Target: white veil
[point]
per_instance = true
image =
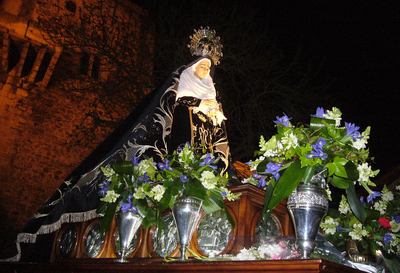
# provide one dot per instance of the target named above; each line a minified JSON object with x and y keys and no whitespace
{"x":192,"y":86}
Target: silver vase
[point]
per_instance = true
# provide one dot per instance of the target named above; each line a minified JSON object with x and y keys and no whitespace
{"x":186,"y":212}
{"x":128,"y":223}
{"x":354,"y":255}
{"x":307,"y":205}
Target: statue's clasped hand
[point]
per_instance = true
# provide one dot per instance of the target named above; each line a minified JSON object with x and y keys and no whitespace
{"x":210,"y":103}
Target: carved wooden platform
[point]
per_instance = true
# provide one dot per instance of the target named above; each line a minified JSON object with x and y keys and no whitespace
{"x":246,"y":211}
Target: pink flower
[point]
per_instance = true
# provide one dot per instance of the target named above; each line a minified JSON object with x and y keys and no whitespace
{"x":385,"y":222}
{"x":276,"y":257}
{"x":295,"y":254}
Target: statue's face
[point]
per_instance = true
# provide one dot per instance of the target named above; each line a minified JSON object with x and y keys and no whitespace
{"x":202,"y":69}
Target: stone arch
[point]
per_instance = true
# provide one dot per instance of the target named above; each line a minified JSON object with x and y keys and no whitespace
{"x":84,"y":65}
{"x":14,"y":55}
{"x":96,"y":67}
{"x":43,"y":67}
{"x":29,"y":61}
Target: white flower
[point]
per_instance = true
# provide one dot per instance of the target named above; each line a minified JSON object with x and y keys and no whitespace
{"x":270,"y":148}
{"x":108,"y":172}
{"x":275,"y":152}
{"x":229,"y":195}
{"x":395,"y":226}
{"x":261,"y":158}
{"x":361,"y":143}
{"x":329,"y":193}
{"x":263,"y":144}
{"x":271,"y":153}
{"x":365,"y":172}
{"x":329,"y":225}
{"x":250,"y":180}
{"x":208,"y":180}
{"x":146,"y":166}
{"x":244,"y":254}
{"x":394,"y":245}
{"x":358,"y":232}
{"x":186,"y":155}
{"x":344,"y":207}
{"x":289,"y":140}
{"x":139,"y":193}
{"x":381,"y":206}
{"x":157,"y":192}
{"x":398,"y":188}
{"x":267,"y":251}
{"x":110,"y":197}
{"x":334,"y":114}
{"x":254,"y":164}
{"x":386,"y":194}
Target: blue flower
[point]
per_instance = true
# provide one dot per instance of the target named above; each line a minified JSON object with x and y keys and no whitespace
{"x":320,"y":113}
{"x":128,"y":206}
{"x":261,"y":180}
{"x":362,"y":200}
{"x":282,"y":120}
{"x":372,"y":196}
{"x":209,"y":160}
{"x":183,"y":178}
{"x":318,"y":150}
{"x":103,"y":189}
{"x":135,"y":160}
{"x":396,"y":218}
{"x":180,"y":148}
{"x":274,"y":170}
{"x":387,"y":238}
{"x":352,"y":130}
{"x":165,"y":166}
{"x":145,"y":178}
{"x":223,"y":194}
{"x":340,"y":229}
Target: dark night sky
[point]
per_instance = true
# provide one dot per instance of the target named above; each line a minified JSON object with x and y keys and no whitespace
{"x":360,"y":42}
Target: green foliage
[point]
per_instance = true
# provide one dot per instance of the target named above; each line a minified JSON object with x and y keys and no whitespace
{"x":374,"y":225}
{"x":290,"y":179}
{"x":192,"y":171}
{"x":131,"y":184}
{"x":356,"y":207}
{"x":295,"y":154}
{"x":147,"y":190}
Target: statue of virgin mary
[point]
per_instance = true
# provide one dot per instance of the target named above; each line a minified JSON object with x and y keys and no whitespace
{"x":183,"y":108}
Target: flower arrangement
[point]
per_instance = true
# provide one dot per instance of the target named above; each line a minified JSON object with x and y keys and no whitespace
{"x":380,"y":230}
{"x":130,"y":185}
{"x":296,"y":153}
{"x":148,"y":188}
{"x":192,"y":171}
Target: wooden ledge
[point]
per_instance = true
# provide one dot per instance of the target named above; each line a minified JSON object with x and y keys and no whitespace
{"x":193,"y":265}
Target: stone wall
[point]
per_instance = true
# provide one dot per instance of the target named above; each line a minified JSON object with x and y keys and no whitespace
{"x":35,"y":156}
{"x":36,"y":120}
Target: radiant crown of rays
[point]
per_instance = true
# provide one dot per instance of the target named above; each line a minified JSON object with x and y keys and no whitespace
{"x":204,"y":42}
